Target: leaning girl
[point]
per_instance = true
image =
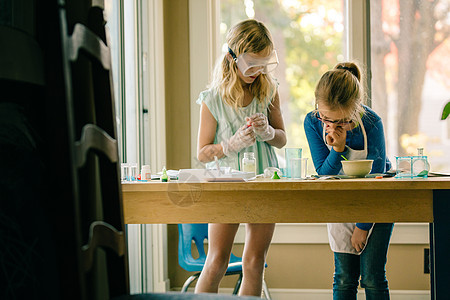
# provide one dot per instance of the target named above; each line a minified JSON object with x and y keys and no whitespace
{"x":341,"y":127}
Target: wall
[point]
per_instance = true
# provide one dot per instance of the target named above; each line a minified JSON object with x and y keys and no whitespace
{"x":310,"y":266}
{"x":176,"y":60}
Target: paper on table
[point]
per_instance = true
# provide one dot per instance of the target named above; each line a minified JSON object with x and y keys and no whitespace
{"x":437,"y":174}
{"x":198,"y":175}
{"x":224,"y":179}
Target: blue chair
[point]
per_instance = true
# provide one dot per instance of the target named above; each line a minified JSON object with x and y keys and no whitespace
{"x":199,"y":233}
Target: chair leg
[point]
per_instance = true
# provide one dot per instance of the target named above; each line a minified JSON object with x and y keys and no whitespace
{"x":188,"y":282}
{"x":266,"y":291}
{"x":238,"y":285}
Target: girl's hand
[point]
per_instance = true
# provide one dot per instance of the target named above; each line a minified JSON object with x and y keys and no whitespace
{"x":359,"y":238}
{"x":261,"y":126}
{"x":243,"y":138}
{"x":336,"y":137}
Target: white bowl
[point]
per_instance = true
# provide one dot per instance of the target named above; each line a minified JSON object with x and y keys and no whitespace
{"x":358,"y":168}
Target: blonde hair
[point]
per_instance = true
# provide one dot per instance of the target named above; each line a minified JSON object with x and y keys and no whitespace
{"x":247,"y":36}
{"x":342,"y":88}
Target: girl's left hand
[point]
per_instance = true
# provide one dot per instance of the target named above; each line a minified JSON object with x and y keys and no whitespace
{"x":261,"y":126}
{"x":336,"y":137}
{"x":359,"y":238}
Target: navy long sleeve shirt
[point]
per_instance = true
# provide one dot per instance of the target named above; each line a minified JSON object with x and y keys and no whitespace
{"x":328,"y":162}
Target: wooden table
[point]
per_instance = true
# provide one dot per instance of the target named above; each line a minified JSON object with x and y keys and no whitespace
{"x":303,"y":201}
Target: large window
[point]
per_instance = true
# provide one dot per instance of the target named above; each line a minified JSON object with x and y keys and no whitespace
{"x":409,"y":58}
{"x":310,"y":39}
{"x":135,"y":30}
{"x":411,"y":78}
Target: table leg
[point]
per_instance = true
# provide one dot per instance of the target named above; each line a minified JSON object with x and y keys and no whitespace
{"x":440,"y":245}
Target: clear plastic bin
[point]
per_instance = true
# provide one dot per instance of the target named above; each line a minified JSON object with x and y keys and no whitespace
{"x":412,"y":166}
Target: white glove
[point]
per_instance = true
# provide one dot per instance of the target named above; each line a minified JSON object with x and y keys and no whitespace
{"x":243,"y":138}
{"x":261,"y":126}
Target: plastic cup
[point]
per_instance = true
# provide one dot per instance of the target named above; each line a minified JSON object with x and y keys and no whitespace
{"x":133,"y":171}
{"x":289,"y":154}
{"x":124,"y":172}
{"x":298,"y":168}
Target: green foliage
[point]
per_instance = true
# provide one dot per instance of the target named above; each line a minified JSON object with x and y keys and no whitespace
{"x":311,"y":51}
{"x":446,"y":111}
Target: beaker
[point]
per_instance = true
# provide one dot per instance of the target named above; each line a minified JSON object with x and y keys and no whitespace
{"x":298,"y":168}
{"x":291,"y":153}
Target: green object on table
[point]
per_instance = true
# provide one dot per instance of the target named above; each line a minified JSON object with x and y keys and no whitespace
{"x":164,"y":177}
{"x":344,"y":157}
{"x":423,"y":173}
{"x":275,"y":175}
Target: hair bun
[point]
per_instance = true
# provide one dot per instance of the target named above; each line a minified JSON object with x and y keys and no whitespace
{"x":351,"y":67}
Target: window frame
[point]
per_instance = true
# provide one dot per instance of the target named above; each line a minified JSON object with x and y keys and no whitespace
{"x":150,"y":241}
{"x":142,"y":49}
{"x":204,"y":41}
{"x":358,"y":37}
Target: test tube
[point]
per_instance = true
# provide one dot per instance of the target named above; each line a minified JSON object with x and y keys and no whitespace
{"x":124,"y":172}
{"x":133,"y":171}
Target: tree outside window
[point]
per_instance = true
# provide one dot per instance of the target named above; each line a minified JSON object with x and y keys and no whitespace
{"x":411,"y":79}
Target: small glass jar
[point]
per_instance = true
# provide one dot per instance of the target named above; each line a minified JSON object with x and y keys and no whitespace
{"x":420,"y":165}
{"x":249,"y":162}
{"x":146,"y":174}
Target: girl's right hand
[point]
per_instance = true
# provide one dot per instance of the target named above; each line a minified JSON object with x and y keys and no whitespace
{"x":243,"y":138}
{"x":359,"y":238}
{"x":261,"y":126}
{"x":336,"y":137}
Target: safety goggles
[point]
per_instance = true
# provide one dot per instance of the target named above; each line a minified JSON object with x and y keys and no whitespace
{"x":337,"y":122}
{"x":251,"y":64}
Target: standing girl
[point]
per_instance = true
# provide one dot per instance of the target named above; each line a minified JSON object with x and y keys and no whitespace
{"x":240,"y":112}
{"x":341,"y":126}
